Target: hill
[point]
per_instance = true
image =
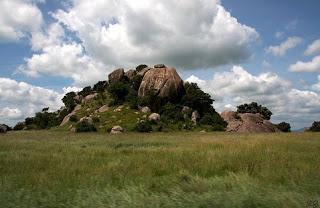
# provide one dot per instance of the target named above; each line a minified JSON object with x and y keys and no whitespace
{"x":145,"y":99}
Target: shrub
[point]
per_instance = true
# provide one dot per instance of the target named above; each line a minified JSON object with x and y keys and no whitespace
{"x":140,"y":67}
{"x":143,"y":126}
{"x":136,"y":81}
{"x":85,"y":91}
{"x":315,"y":126}
{"x":69,"y":101}
{"x":212,"y":119}
{"x":284,"y":127}
{"x":119,"y":91}
{"x":73,"y":118}
{"x":100,"y":86}
{"x":171,"y":112}
{"x":96,"y":120}
{"x":19,"y":126}
{"x":84,"y":126}
{"x":196,"y":99}
{"x":255,"y":108}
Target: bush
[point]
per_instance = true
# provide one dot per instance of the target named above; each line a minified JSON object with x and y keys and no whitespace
{"x":140,"y":67}
{"x":119,"y":91}
{"x":19,"y":126}
{"x":136,"y":81}
{"x":213,"y":119}
{"x":73,"y":118}
{"x":315,"y":126}
{"x":84,"y":126}
{"x":255,"y":108}
{"x":101,"y":86}
{"x":69,"y":101}
{"x":143,"y":126}
{"x":284,"y":127}
{"x":85,"y":91}
{"x":196,"y":99}
{"x":171,"y":112}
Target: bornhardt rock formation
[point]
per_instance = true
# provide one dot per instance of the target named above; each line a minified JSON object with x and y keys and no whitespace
{"x":247,"y":123}
{"x":164,"y":81}
{"x":147,"y":99}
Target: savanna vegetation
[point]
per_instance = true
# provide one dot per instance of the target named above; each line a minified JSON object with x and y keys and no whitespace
{"x":56,"y":169}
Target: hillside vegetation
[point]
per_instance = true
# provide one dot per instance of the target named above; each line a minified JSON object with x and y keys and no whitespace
{"x":59,"y":169}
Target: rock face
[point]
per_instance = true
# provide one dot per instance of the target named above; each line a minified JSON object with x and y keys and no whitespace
{"x":90,"y":97}
{"x":195,"y":116}
{"x":116,"y":130}
{"x":130,"y":74}
{"x":67,"y":118}
{"x":247,"y":123}
{"x":145,"y":109}
{"x":154,"y":117}
{"x":165,"y":82}
{"x":3,"y":128}
{"x":116,"y":76}
{"x":143,"y":71}
{"x":103,"y":109}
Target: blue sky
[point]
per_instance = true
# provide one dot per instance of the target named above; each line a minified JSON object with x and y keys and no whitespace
{"x":237,"y":52}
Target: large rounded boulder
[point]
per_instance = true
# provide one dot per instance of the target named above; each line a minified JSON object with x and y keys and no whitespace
{"x":117,"y":75}
{"x":164,"y":81}
{"x":247,"y":123}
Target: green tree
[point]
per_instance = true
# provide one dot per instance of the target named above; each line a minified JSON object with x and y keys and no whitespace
{"x":284,"y":127}
{"x":255,"y":108}
{"x":196,"y":99}
{"x":315,"y":126}
{"x":69,"y":101}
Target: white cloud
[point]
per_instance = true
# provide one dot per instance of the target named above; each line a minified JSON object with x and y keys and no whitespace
{"x":313,"y":48}
{"x":10,"y":113}
{"x":125,"y":33}
{"x":19,"y":100}
{"x":316,"y":87}
{"x":18,"y":18}
{"x":67,"y":60}
{"x":237,"y":86}
{"x":282,"y":49}
{"x":312,"y":66}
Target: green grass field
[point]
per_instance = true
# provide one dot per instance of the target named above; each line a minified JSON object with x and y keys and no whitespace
{"x":59,"y":169}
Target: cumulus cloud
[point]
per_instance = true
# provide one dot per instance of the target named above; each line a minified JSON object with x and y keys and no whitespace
{"x":316,"y":86}
{"x":57,"y":56}
{"x":281,"y":50}
{"x":19,"y":100}
{"x":313,"y":48}
{"x":10,"y":113}
{"x":312,"y":66}
{"x":25,"y":19}
{"x":125,"y":33}
{"x":238,"y":86}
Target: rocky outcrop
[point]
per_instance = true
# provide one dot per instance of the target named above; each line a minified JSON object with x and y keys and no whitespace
{"x":90,"y":97}
{"x":130,"y":74}
{"x":116,"y":76}
{"x":66,"y":119}
{"x":143,"y":71}
{"x":155,"y":117}
{"x":103,"y":109}
{"x":194,"y":117}
{"x":165,"y":82}
{"x":116,"y":130}
{"x":247,"y":123}
{"x":145,"y":109}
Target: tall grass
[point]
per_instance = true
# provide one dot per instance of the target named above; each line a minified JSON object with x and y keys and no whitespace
{"x":59,"y":169}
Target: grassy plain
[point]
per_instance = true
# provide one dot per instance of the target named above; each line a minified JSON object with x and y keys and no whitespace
{"x":60,"y":169}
